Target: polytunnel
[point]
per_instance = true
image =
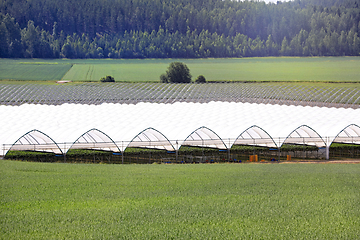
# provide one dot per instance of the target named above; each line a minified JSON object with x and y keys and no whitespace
{"x":151,"y":138}
{"x":204,"y":137}
{"x":36,"y":140}
{"x":255,"y":136}
{"x":119,"y":123}
{"x":349,"y":135}
{"x":95,"y":139}
{"x":305,"y":135}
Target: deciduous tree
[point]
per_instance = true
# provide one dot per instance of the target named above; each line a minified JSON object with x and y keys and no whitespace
{"x":177,"y":72}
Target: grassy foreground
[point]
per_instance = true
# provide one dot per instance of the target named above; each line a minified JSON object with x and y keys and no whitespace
{"x":219,"y":201}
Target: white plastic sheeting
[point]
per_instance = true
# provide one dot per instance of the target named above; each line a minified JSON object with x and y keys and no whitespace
{"x":167,"y":126}
{"x":350,"y":134}
{"x":95,"y":139}
{"x":255,"y":136}
{"x":205,"y":137}
{"x":305,"y":135}
{"x":35,"y":140}
{"x":151,"y":138}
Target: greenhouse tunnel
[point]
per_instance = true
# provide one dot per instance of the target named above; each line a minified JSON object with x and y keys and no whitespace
{"x":255,"y":136}
{"x":97,"y":140}
{"x":305,"y":135}
{"x":204,"y":137}
{"x":349,"y":135}
{"x":151,"y":138}
{"x":36,"y":141}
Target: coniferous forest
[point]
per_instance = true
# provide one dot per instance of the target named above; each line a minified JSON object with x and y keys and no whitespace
{"x":178,"y":28}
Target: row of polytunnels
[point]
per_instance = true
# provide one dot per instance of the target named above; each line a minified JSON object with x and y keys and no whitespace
{"x":202,"y":145}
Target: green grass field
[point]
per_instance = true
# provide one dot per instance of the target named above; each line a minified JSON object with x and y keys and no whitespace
{"x":337,"y":69}
{"x":246,"y":69}
{"x":34,"y":69}
{"x":201,"y":201}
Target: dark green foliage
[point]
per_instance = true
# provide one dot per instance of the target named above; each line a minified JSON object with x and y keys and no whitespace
{"x":4,"y":50}
{"x":107,"y":79}
{"x":86,"y":152}
{"x":164,"y":78}
{"x":31,"y":156}
{"x":336,"y":146}
{"x":178,"y":29}
{"x":341,"y":151}
{"x":289,"y":147}
{"x":177,"y":72}
{"x":26,"y":154}
{"x":200,"y":79}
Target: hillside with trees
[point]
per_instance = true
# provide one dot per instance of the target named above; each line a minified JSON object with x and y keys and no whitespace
{"x":178,"y":28}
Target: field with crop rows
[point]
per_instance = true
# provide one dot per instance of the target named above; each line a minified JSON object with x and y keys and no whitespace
{"x":196,"y":201}
{"x":313,"y":94}
{"x":247,"y":69}
{"x":333,"y":69}
{"x":32,"y":70}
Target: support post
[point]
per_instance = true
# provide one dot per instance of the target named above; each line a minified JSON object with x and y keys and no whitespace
{"x":94,"y":152}
{"x":229,"y":155}
{"x":122,"y":152}
{"x":279,"y":150}
{"x":176,"y":152}
{"x":327,"y":151}
{"x":202,"y":149}
{"x":304,"y":148}
{"x":64,"y":152}
{"x":327,"y":154}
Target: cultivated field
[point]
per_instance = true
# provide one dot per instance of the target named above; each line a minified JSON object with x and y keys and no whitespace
{"x":192,"y":201}
{"x":336,"y":69}
{"x":313,"y":94}
{"x":202,"y":201}
{"x":34,"y":69}
{"x":309,"y":81}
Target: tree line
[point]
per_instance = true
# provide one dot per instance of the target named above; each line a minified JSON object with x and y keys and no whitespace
{"x":178,"y":28}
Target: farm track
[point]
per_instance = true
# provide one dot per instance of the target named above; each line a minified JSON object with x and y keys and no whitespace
{"x":133,"y":93}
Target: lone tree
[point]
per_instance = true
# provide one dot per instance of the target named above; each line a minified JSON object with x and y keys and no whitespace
{"x":107,"y":79}
{"x":177,"y":72}
{"x":200,"y":79}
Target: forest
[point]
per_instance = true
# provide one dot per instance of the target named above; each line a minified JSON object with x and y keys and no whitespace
{"x":178,"y":28}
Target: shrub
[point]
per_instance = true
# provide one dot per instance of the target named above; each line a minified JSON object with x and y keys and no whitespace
{"x":164,"y":78}
{"x":107,"y":79}
{"x":200,"y":79}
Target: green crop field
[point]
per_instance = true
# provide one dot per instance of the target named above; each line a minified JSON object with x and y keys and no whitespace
{"x":343,"y":69}
{"x":194,"y":201}
{"x":337,"y":69}
{"x":34,"y":69}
